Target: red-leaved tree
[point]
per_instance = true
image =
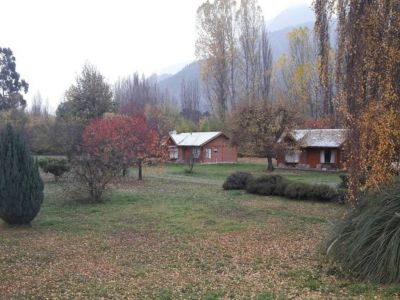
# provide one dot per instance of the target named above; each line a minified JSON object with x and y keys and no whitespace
{"x":112,"y":145}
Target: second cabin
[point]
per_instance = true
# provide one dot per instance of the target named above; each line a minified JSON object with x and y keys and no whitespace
{"x":313,"y":149}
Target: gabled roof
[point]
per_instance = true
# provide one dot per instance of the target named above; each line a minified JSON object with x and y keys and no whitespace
{"x":332,"y":138}
{"x":195,"y":139}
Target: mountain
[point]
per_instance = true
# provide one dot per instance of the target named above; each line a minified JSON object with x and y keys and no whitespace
{"x":292,"y":17}
{"x":155,"y":78}
{"x":279,"y":39}
{"x":278,"y":28}
{"x":173,"y":83}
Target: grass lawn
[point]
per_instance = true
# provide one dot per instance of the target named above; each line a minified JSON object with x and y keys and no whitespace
{"x":178,"y":236}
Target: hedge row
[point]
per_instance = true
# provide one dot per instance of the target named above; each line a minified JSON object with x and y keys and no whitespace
{"x":277,"y":185}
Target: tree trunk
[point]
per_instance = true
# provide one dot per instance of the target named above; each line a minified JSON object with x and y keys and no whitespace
{"x":140,"y":169}
{"x":191,"y":164}
{"x":270,"y":166}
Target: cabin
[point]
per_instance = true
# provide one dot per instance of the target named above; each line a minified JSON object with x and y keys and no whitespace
{"x":312,"y":149}
{"x":204,"y":147}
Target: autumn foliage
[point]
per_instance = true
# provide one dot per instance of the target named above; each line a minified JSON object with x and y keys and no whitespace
{"x":368,"y":83}
{"x":112,"y":145}
{"x":258,"y":128}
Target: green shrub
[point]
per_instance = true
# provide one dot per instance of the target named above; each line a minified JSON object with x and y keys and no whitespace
{"x":323,"y":192}
{"x":342,"y":196}
{"x":54,"y":166}
{"x":280,"y":187}
{"x":266,"y":185}
{"x":367,"y":241}
{"x":21,"y":188}
{"x":276,"y":185}
{"x":344,"y":184}
{"x":237,"y":181}
{"x":298,"y":190}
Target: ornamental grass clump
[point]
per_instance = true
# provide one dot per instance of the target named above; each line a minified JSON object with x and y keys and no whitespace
{"x":367,"y":241}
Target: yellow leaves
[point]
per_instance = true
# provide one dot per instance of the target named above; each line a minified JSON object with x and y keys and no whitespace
{"x":379,"y":142}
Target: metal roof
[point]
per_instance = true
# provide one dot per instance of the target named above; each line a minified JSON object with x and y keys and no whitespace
{"x":195,"y":139}
{"x":332,"y":138}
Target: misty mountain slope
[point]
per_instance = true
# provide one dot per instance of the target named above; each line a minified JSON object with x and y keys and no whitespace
{"x":292,"y":17}
{"x":278,"y":29}
{"x":173,"y":83}
{"x":279,"y":39}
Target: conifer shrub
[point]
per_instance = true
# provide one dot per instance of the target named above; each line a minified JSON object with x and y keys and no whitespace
{"x":367,"y":241}
{"x":55,"y":166}
{"x":21,"y":188}
{"x":237,"y":181}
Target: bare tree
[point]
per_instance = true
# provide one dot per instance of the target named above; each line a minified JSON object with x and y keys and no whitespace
{"x":214,"y":48}
{"x":296,"y":74}
{"x":265,"y":63}
{"x":39,"y":108}
{"x":250,"y":23}
{"x":190,"y":100}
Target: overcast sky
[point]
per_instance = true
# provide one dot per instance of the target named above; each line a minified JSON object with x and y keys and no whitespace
{"x":52,"y":39}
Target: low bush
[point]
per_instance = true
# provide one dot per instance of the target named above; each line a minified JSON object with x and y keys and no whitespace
{"x":237,"y":181}
{"x":266,"y":185}
{"x":276,"y":185}
{"x":298,"y":190}
{"x":366,"y":242}
{"x":323,"y":192}
{"x":54,"y":166}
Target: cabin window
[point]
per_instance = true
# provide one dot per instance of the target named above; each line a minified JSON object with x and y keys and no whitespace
{"x":292,"y":156}
{"x":196,"y":152}
{"x":173,"y":153}
{"x":328,"y":156}
{"x":208,"y":153}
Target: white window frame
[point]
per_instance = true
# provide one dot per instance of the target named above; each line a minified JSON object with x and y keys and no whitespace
{"x":292,"y":156}
{"x":196,"y":152}
{"x":173,"y":153}
{"x":208,"y":153}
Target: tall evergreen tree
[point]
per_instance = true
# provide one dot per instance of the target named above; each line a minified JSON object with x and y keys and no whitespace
{"x":21,"y":188}
{"x":11,"y":83}
{"x":90,"y":97}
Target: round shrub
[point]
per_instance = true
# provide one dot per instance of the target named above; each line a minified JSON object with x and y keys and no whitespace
{"x":266,"y":185}
{"x":322,"y":192}
{"x":297,"y":190}
{"x":367,"y":241}
{"x":21,"y":188}
{"x":54,"y":166}
{"x":237,"y":181}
